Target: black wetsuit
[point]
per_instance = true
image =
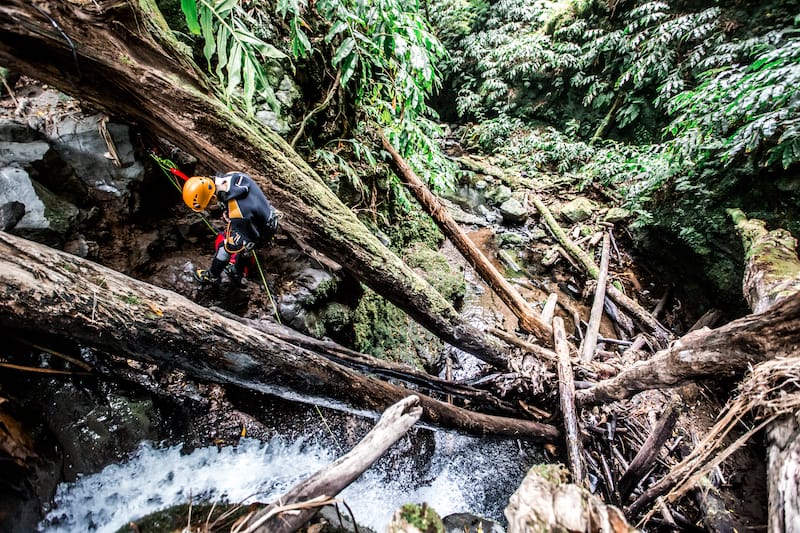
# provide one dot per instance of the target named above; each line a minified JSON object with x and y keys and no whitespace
{"x":252,"y":218}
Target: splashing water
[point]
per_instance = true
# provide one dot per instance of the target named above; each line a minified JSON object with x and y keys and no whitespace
{"x":463,"y":475}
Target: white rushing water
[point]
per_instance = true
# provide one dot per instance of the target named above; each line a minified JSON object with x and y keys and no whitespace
{"x":463,"y":475}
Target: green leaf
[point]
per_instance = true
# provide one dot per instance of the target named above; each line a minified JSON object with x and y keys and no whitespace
{"x":189,"y":8}
{"x":349,"y":68}
{"x":343,"y":50}
{"x":336,"y":29}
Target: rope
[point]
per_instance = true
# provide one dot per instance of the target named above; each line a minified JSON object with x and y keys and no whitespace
{"x":266,"y":288}
{"x":171,"y":171}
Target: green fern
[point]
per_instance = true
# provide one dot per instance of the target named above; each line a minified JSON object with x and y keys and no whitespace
{"x":232,"y":49}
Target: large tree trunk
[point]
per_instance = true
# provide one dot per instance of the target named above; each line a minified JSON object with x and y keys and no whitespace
{"x":704,"y":354}
{"x":772,"y":273}
{"x":43,"y":290}
{"x":122,"y":57}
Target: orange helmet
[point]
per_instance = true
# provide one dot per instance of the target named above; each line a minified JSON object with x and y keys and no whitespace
{"x":198,"y":191}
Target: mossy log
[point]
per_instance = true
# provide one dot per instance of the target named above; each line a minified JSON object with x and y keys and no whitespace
{"x":47,"y":292}
{"x":772,"y":274}
{"x":123,"y":58}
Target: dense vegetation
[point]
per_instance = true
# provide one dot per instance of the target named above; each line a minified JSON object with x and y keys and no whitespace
{"x":678,"y":110}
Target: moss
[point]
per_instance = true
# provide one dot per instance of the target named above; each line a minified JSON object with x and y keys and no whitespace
{"x":554,"y":473}
{"x":384,"y":331}
{"x":130,"y":299}
{"x":436,"y":270}
{"x":174,"y":518}
{"x":421,"y":517}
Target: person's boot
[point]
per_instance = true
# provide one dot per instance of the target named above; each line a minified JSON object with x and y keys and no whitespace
{"x":212,"y":274}
{"x":236,"y":271}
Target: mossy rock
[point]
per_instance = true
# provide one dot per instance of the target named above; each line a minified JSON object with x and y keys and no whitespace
{"x":437,"y":271}
{"x":382,"y":330}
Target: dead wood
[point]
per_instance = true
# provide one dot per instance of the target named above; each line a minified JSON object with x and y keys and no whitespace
{"x":329,"y":482}
{"x":708,"y":320}
{"x":43,"y":291}
{"x":639,"y":314}
{"x":566,"y":389}
{"x":649,"y":451}
{"x":549,"y":309}
{"x":159,"y":87}
{"x":366,"y":364}
{"x":596,"y":315}
{"x":521,"y":309}
{"x":772,"y":273}
{"x":703,"y":354}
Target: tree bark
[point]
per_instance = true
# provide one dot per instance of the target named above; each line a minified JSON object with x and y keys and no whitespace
{"x":44,"y":291}
{"x":527,"y":318}
{"x":703,"y":354}
{"x":772,"y":274}
{"x":329,"y":482}
{"x":122,"y":57}
{"x":648,"y":453}
{"x":566,"y":389}
{"x":596,"y":314}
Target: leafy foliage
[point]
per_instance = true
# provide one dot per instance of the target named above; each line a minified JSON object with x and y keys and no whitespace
{"x":233,"y":48}
{"x":385,"y":53}
{"x":747,"y":110}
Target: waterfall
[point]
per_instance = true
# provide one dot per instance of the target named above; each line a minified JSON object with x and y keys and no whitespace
{"x":462,"y":475}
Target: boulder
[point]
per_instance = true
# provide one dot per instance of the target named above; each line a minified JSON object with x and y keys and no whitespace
{"x":578,"y":210}
{"x":616,"y":214}
{"x":47,"y":217}
{"x":513,"y":211}
{"x":544,"y":502}
{"x":77,"y":139}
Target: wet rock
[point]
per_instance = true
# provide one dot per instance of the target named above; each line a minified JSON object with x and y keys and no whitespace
{"x":92,"y":430}
{"x":469,"y":523}
{"x":78,"y":140}
{"x":509,"y":239}
{"x":10,"y":214}
{"x":616,"y":214}
{"x":461,"y":216}
{"x":578,"y":210}
{"x":500,"y":194}
{"x":513,"y":211}
{"x":47,"y":218}
{"x":12,"y":131}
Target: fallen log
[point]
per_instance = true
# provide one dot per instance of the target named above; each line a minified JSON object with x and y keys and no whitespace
{"x":639,"y":314}
{"x":516,"y":303}
{"x":284,"y":516}
{"x":566,"y":390}
{"x":596,"y":315}
{"x":647,"y":454}
{"x":703,"y":354}
{"x":770,"y":391}
{"x":772,"y":273}
{"x":129,"y":64}
{"x":45,"y":291}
